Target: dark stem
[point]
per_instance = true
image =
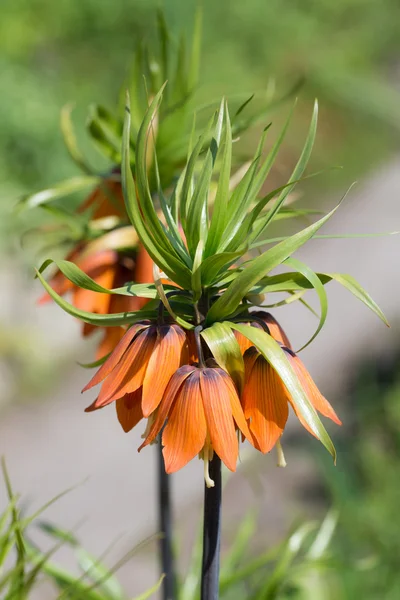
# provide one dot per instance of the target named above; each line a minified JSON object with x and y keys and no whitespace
{"x":212,"y":533}
{"x":165,"y":527}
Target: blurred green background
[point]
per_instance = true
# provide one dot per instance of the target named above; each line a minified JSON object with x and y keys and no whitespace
{"x":347,"y":53}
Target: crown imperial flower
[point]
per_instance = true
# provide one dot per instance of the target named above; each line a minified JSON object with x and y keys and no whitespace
{"x":202,"y":410}
{"x":265,"y":398}
{"x":145,"y":358}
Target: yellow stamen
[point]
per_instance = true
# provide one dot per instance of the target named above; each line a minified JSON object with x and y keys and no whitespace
{"x":281,"y":457}
{"x":207,"y":456}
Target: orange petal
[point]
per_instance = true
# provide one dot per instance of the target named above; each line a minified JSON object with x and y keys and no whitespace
{"x":244,"y":343}
{"x":314,"y":395}
{"x":186,"y":429}
{"x":236,"y":407}
{"x":107,"y":199}
{"x":129,"y":410}
{"x":171,"y":392}
{"x":170,"y":352}
{"x":116,"y":356}
{"x":275,"y":329}
{"x":218,"y":411}
{"x":265,"y":404}
{"x":143,"y":272}
{"x":128,"y":375}
{"x":112,"y":336}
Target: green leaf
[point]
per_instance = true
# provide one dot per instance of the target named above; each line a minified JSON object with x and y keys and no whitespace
{"x":219,"y":215}
{"x":94,"y":364}
{"x":241,"y":198}
{"x":167,"y":262}
{"x":319,"y":288}
{"x":328,"y":236}
{"x":151,"y":591}
{"x":213,"y":265}
{"x":259,"y":267}
{"x":274,"y":354}
{"x":64,"y":188}
{"x":82,"y":280}
{"x":197,"y":215}
{"x":106,"y":131}
{"x":110,"y":320}
{"x":286,"y":282}
{"x":66,"y":537}
{"x":196,"y":272}
{"x":70,"y":141}
{"x":358,"y":291}
{"x":297,"y":173}
{"x":226,"y":351}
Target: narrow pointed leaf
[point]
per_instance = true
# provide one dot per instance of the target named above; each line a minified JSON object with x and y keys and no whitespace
{"x":110,"y":320}
{"x":61,"y":189}
{"x":259,"y":267}
{"x":319,"y":288}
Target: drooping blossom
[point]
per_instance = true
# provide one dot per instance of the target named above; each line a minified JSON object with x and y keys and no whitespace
{"x":266,"y":400}
{"x":138,"y":370}
{"x":202,"y":411}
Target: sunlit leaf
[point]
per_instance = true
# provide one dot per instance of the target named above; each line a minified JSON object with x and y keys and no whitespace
{"x":274,"y":354}
{"x":226,"y":351}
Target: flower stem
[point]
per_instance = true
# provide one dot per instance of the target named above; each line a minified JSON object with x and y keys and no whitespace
{"x":165,"y":519}
{"x":212,"y":533}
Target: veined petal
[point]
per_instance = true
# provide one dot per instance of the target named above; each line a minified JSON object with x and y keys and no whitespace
{"x":171,"y":392}
{"x":275,"y":329}
{"x":128,"y":375}
{"x":236,"y":407}
{"x":129,"y":410}
{"x":314,"y":395}
{"x":112,"y":336}
{"x":265,"y":404}
{"x":218,"y":411}
{"x":243,"y":341}
{"x":116,"y":356}
{"x":185,"y":432}
{"x":249,"y":359}
{"x":169,"y":353}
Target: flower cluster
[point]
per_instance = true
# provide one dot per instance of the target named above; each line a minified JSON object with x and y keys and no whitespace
{"x":218,"y":368}
{"x":196,"y":404}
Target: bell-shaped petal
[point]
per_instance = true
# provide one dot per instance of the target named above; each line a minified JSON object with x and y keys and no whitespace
{"x":113,"y":360}
{"x":216,"y":394}
{"x":264,"y":401}
{"x":129,"y":410}
{"x":129,"y":373}
{"x":200,"y":407}
{"x":186,"y":429}
{"x":171,"y":392}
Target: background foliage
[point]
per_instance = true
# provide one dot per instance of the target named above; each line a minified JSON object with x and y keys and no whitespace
{"x":345,"y":52}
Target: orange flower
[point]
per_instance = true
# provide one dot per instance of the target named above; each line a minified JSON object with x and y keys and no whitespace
{"x":203,"y":410}
{"x":275,"y":330}
{"x":145,"y":359}
{"x":107,"y":199}
{"x":265,"y":398}
{"x":109,"y":269}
